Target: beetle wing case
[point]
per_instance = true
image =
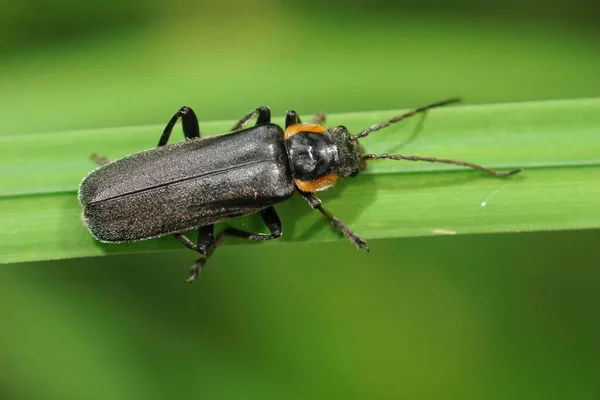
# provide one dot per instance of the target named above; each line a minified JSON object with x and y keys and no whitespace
{"x":186,"y":185}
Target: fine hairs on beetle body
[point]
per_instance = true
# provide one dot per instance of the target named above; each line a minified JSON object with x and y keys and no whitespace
{"x":194,"y":184}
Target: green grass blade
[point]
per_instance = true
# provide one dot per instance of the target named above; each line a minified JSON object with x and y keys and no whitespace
{"x":557,"y":142}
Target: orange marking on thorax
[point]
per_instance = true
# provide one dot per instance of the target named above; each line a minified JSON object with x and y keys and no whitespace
{"x":308,"y":127}
{"x":322,"y":183}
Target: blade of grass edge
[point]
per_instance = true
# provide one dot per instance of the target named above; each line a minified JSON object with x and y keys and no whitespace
{"x":557,"y":142}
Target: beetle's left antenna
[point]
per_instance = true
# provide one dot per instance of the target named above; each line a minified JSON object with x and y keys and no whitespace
{"x":400,"y":117}
{"x":370,"y":157}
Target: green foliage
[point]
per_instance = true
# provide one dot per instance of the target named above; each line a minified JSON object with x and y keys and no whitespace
{"x":555,"y":142}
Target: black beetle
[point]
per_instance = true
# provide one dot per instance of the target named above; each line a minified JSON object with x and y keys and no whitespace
{"x":197,"y":183}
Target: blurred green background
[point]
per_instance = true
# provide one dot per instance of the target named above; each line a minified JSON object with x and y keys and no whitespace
{"x":486,"y":316}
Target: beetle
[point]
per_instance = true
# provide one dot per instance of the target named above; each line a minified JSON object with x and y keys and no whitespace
{"x":194,"y":184}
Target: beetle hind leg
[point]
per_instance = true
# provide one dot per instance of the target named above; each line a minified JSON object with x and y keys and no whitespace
{"x":207,"y":243}
{"x":99,"y":159}
{"x":196,"y":269}
{"x":269,"y":217}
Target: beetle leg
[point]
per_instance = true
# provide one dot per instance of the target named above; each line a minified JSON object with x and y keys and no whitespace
{"x":204,"y":246}
{"x":191,"y":128}
{"x":207,"y":243}
{"x":269,"y":217}
{"x":291,"y":118}
{"x":264,"y":117}
{"x":316,"y":204}
{"x":319,"y":118}
{"x":206,"y":239}
{"x":99,"y":159}
{"x":185,"y":241}
{"x":196,"y":269}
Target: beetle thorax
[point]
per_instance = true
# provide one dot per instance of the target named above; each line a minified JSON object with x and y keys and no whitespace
{"x":312,"y":155}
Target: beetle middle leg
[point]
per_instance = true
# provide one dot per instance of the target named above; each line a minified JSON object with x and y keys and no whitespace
{"x":316,"y":204}
{"x":264,"y":117}
{"x":207,"y":243}
{"x":189,"y":121}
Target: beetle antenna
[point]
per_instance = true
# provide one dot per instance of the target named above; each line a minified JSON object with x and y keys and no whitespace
{"x":370,"y":157}
{"x":400,"y":117}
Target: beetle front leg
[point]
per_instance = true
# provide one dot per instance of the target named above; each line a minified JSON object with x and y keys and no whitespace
{"x":264,"y":117}
{"x":189,"y":121}
{"x":316,"y":204}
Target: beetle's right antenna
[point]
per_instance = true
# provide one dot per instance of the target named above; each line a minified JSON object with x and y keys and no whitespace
{"x":400,"y":117}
